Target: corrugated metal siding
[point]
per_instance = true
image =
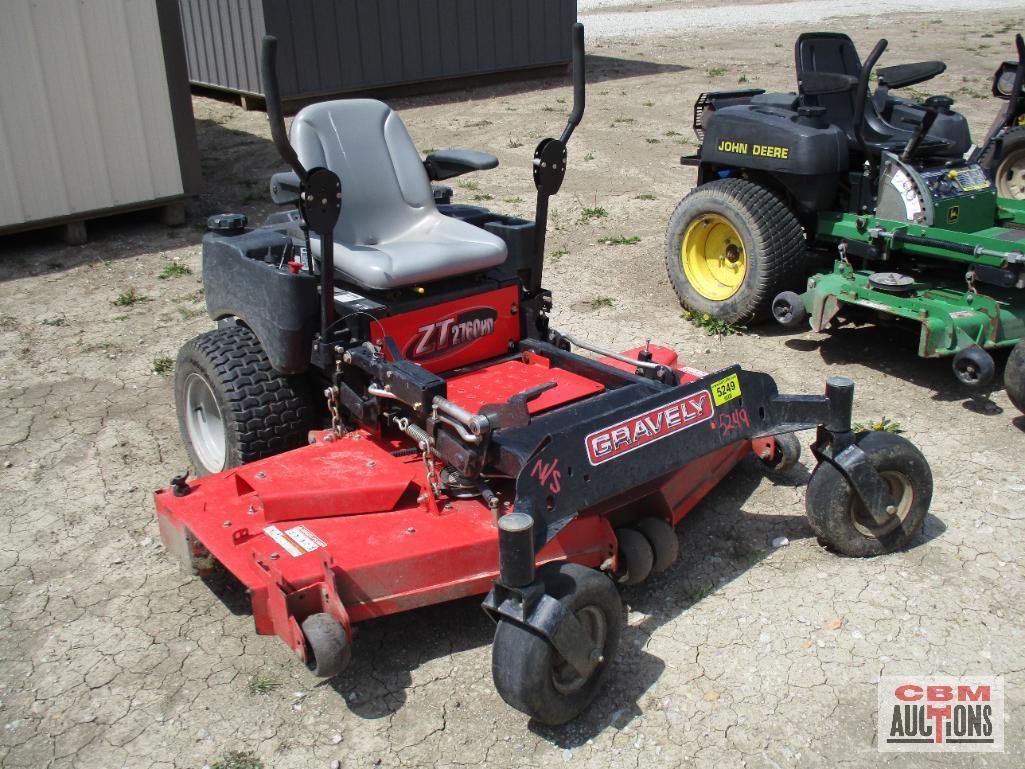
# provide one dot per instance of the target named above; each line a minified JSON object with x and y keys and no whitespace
{"x":222,"y":39}
{"x":85,"y":122}
{"x":334,"y":46}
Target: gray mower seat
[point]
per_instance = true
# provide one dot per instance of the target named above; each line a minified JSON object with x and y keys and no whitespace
{"x":389,"y":234}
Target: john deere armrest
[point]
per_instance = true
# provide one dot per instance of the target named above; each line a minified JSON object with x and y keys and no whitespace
{"x":903,"y":75}
{"x":445,"y":164}
{"x":822,"y":83}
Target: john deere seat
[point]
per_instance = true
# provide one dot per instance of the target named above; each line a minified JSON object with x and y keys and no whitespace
{"x":889,"y":121}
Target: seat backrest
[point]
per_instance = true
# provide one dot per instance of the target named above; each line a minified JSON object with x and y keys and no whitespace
{"x":829,"y":52}
{"x":385,"y":189}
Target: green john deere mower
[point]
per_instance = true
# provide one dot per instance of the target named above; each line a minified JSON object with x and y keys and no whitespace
{"x":890,"y":190}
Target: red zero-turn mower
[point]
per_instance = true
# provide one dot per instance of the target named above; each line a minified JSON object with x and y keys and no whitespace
{"x":468,"y":448}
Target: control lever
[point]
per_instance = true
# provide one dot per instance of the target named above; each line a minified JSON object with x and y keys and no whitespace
{"x":514,"y":412}
{"x":920,"y":131}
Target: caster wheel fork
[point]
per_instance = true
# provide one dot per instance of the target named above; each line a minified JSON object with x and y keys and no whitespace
{"x":840,"y":518}
{"x":531,"y":675}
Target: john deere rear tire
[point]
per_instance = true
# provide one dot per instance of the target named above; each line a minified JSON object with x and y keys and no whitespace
{"x":731,"y":247}
{"x":1014,"y":376}
{"x":233,"y":407}
{"x":1008,"y":166}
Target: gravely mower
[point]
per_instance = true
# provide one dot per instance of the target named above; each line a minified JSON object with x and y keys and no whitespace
{"x":469,"y":451}
{"x":924,"y":240}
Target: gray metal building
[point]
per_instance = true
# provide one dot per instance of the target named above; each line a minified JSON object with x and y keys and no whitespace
{"x":95,"y":112}
{"x":336,"y":46}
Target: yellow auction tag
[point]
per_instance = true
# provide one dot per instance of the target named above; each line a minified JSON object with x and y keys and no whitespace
{"x":726,"y":390}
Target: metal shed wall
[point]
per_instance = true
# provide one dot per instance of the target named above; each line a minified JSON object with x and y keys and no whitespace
{"x":88,"y":118}
{"x":334,"y":46}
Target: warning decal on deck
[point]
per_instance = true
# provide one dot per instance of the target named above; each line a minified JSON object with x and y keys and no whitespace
{"x":286,"y":544}
{"x":295,"y":541}
{"x":305,"y":538}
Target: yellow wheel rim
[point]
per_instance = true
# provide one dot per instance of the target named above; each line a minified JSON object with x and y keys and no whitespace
{"x":713,"y":256}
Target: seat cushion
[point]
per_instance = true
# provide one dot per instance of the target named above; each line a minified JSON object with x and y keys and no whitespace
{"x":390,"y":234}
{"x":438,"y":247}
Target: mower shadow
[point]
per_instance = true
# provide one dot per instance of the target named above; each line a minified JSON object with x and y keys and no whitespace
{"x":891,"y":352}
{"x":600,"y":69}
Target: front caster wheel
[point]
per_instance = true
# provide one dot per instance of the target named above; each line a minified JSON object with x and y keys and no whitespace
{"x":974,"y":367}
{"x":329,"y":648}
{"x":662,"y":538}
{"x":837,"y":515}
{"x":1014,"y":376}
{"x":787,"y":454}
{"x":530,"y":675}
{"x":636,"y":557}
{"x":788,"y":310}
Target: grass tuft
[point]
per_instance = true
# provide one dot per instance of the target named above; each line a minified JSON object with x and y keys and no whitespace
{"x":174,"y":270}
{"x":885,"y":424}
{"x":713,"y":327}
{"x":163,"y":365}
{"x":600,"y":301}
{"x":239,"y":759}
{"x":128,"y":298}
{"x":595,"y":212}
{"x":620,"y":240}
{"x":260,"y":683}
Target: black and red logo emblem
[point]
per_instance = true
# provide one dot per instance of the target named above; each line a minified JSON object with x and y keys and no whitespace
{"x":618,"y":439}
{"x":448,"y":334}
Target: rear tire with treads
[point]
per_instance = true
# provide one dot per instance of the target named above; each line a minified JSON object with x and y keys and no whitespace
{"x":1014,"y":376}
{"x":762,"y":247}
{"x":260,"y":411}
{"x":1008,"y":168}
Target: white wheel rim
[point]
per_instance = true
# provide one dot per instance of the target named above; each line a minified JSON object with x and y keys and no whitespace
{"x":1011,"y":177}
{"x":204,"y":423}
{"x":901,"y":490}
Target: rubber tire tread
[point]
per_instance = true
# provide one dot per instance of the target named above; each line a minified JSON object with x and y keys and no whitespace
{"x":1014,"y":376}
{"x":522,"y":660}
{"x":829,"y":497}
{"x":662,"y":538}
{"x":786,"y":455}
{"x":773,"y":239}
{"x":265,"y":412}
{"x":330,"y":648}
{"x":638,"y":555}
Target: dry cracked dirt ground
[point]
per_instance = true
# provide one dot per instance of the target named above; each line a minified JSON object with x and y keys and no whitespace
{"x":741,"y":655}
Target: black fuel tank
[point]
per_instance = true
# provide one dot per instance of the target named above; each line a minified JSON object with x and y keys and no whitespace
{"x":776,"y":140}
